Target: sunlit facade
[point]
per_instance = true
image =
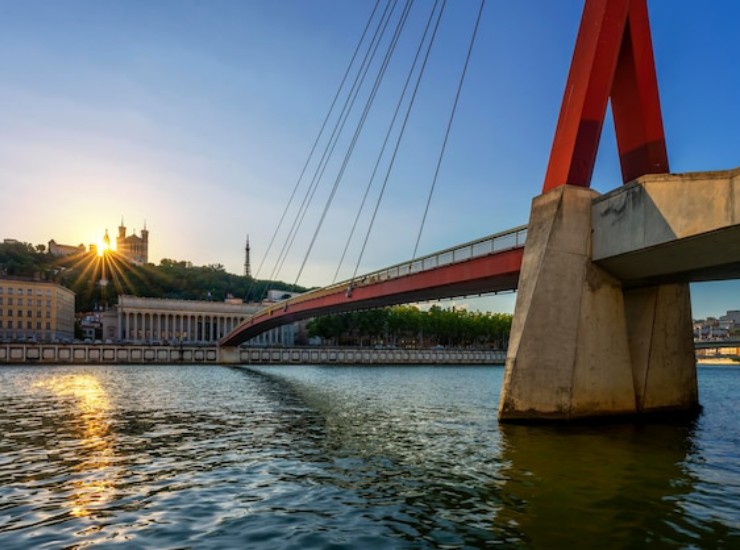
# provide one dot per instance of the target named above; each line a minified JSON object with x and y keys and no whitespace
{"x":156,"y":320}
{"x":133,"y":247}
{"x":35,"y":310}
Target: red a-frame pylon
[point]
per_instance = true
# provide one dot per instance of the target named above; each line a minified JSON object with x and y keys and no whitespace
{"x":613,"y":58}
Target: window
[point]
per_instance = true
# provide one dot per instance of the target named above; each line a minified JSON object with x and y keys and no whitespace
{"x":48,"y":326}
{"x":20,"y":313}
{"x":29,"y":313}
{"x":39,"y":292}
{"x":38,"y":313}
{"x":10,"y":301}
{"x":48,"y":314}
{"x":48,"y":303}
{"x":10,"y":313}
{"x":19,"y":324}
{"x":1,"y":323}
{"x":29,"y":292}
{"x":48,"y":292}
{"x":38,"y":303}
{"x":38,"y":325}
{"x":1,"y":300}
{"x":29,"y":325}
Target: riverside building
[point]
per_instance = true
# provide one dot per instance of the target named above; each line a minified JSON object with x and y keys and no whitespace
{"x":35,"y":310}
{"x":157,"y":320}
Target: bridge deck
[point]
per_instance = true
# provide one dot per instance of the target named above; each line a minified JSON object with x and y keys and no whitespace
{"x":486,"y":265}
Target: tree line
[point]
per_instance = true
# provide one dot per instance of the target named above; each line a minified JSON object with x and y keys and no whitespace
{"x":98,"y":281}
{"x":408,"y":326}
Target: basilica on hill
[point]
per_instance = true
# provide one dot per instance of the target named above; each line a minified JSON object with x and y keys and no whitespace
{"x":133,"y":247}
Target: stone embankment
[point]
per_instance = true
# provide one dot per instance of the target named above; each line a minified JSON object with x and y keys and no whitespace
{"x":54,"y":354}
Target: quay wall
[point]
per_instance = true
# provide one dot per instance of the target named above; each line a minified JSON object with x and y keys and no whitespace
{"x":54,"y":354}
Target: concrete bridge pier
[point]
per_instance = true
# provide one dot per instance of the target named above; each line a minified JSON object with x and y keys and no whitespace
{"x":580,"y":345}
{"x":228,"y":355}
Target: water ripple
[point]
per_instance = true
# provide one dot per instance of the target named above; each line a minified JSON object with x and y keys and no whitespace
{"x":335,"y":457}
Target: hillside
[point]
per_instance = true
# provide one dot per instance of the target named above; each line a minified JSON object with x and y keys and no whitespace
{"x":98,"y":281}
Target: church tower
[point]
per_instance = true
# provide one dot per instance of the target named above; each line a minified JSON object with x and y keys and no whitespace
{"x":247,"y":265}
{"x":144,"y":244}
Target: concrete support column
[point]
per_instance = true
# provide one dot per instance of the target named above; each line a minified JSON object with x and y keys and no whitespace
{"x":119,"y":326}
{"x":580,"y":345}
{"x":660,"y":329}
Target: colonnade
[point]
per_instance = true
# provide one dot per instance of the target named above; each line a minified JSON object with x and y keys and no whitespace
{"x":182,"y":327}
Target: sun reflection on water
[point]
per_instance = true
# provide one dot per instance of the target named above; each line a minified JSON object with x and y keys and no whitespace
{"x":91,"y":407}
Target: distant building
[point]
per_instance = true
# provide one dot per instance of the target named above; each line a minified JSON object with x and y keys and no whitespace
{"x":155,"y":320}
{"x":132,"y":247}
{"x":35,"y":310}
{"x":91,"y":324}
{"x":58,"y":250}
{"x":730,"y":320}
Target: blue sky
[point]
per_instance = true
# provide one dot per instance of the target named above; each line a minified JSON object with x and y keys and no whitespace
{"x":198,"y":116}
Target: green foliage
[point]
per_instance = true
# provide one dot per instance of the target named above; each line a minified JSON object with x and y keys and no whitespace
{"x":407,"y":326}
{"x":23,"y":260}
{"x":98,"y":281}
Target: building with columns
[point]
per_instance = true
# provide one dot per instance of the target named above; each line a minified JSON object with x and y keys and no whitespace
{"x":158,"y":320}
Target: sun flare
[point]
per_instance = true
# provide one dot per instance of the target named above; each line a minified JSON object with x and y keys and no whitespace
{"x":103,"y":247}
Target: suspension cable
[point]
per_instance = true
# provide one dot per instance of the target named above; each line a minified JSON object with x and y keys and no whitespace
{"x":333,"y":139}
{"x":400,"y":137}
{"x":449,"y":126}
{"x":387,"y":138}
{"x":358,"y":129}
{"x":313,"y":147}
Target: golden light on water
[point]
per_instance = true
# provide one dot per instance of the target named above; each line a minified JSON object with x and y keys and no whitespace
{"x":91,"y":406}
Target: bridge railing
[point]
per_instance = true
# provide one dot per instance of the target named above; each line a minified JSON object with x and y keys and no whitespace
{"x":498,"y":242}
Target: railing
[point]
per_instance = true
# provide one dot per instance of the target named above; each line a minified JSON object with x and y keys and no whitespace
{"x":498,"y":242}
{"x":513,"y":238}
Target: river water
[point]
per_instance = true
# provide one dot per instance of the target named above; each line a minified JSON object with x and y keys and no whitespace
{"x":347,"y":457}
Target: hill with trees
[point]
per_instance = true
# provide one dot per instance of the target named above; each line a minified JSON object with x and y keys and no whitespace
{"x":99,"y":280}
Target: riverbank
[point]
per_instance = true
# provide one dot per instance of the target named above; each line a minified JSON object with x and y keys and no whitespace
{"x":51,"y":354}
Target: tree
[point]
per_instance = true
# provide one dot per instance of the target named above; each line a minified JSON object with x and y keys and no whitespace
{"x":409,"y":327}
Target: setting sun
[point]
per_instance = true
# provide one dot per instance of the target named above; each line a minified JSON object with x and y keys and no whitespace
{"x":105,"y":244}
